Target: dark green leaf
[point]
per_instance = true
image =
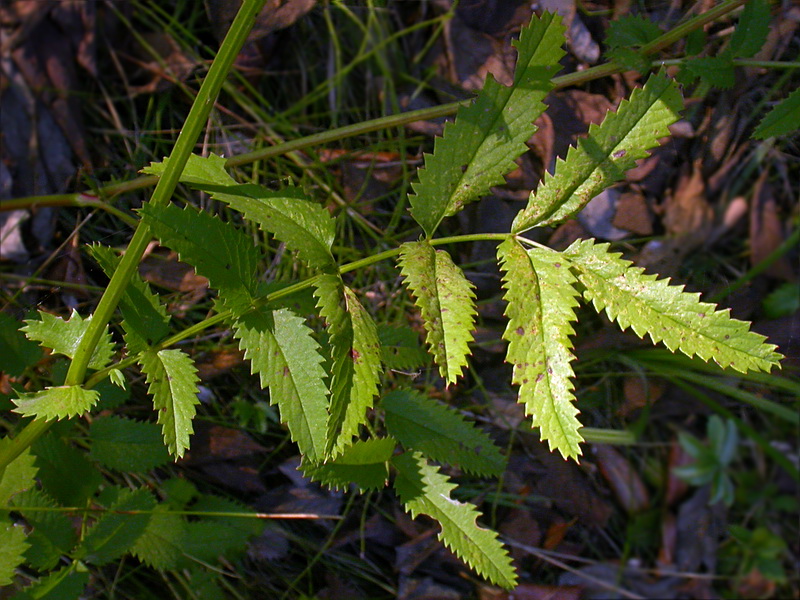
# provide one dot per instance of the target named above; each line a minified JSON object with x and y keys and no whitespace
{"x":64,"y":472}
{"x":365,"y":464}
{"x":750,"y":33}
{"x":126,"y":445}
{"x":18,"y":352}
{"x":52,"y":534}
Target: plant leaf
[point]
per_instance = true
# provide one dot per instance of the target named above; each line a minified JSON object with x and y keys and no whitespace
{"x":161,"y":544}
{"x":117,"y":530}
{"x":631,"y":30}
{"x":667,"y":313}
{"x":751,"y":31}
{"x":65,"y":336}
{"x":127,"y":445}
{"x":54,"y":457}
{"x":17,"y":351}
{"x":52,"y":534}
{"x":172,"y":380}
{"x":19,"y":475}
{"x":488,"y":135}
{"x":61,"y":402}
{"x":541,"y":296}
{"x":356,"y":355}
{"x":145,"y":319}
{"x":602,"y":158}
{"x":782,"y":119}
{"x":365,"y":464}
{"x":717,"y":71}
{"x":199,"y":170}
{"x":446,"y":301}
{"x":12,"y":550}
{"x":217,"y":250}
{"x":400,"y":348}
{"x":283,"y":352}
{"x":440,"y":433}
{"x":423,"y":490}
{"x":67,"y":583}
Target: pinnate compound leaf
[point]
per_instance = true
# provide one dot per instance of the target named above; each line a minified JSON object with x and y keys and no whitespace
{"x":717,"y":71}
{"x":365,"y":464}
{"x":127,"y":445}
{"x":52,"y":534}
{"x":631,"y":30}
{"x":145,"y":319}
{"x":64,"y":337}
{"x":488,"y":135}
{"x":172,"y":380}
{"x":60,"y":402}
{"x":18,"y":476}
{"x":782,"y":119}
{"x":12,"y":550}
{"x":161,"y":544}
{"x":116,"y":531}
{"x":440,"y":433}
{"x":356,"y":355}
{"x":541,"y":296}
{"x":666,"y":312}
{"x":217,"y":250}
{"x":282,"y":350}
{"x":446,"y":302}
{"x":602,"y":158}
{"x":424,"y":490}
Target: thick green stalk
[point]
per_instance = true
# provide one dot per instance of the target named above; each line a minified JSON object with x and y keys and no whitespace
{"x":195,"y":121}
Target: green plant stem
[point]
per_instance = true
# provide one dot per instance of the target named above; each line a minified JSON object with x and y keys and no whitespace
{"x":108,"y":192}
{"x":193,"y":126}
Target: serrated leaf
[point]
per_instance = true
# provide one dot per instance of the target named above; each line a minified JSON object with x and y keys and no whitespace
{"x":364,"y":464}
{"x":161,"y":544}
{"x":631,"y":30}
{"x":602,"y":158}
{"x":127,"y":445}
{"x":219,"y":535}
{"x":487,"y":136}
{"x":19,"y":475}
{"x":12,"y":550}
{"x":17,"y":351}
{"x":60,"y":402}
{"x":304,"y":226}
{"x":217,"y":250}
{"x":666,"y":312}
{"x":52,"y":534}
{"x":283,"y":352}
{"x":716,"y":71}
{"x":145,"y":319}
{"x":54,"y":458}
{"x":400,"y":348}
{"x":440,"y":433}
{"x":630,"y":59}
{"x":423,"y":490}
{"x":63,"y":337}
{"x":199,"y":170}
{"x":67,"y":583}
{"x":782,"y":119}
{"x":117,"y":530}
{"x":446,"y":302}
{"x":355,"y":351}
{"x":751,"y":31}
{"x":541,"y":296}
{"x":172,"y":380}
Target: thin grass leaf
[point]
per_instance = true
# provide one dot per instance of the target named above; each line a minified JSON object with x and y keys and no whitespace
{"x":541,"y":296}
{"x":356,"y":357}
{"x":446,"y":302}
{"x":365,"y":464}
{"x":602,"y":158}
{"x":217,"y":250}
{"x":424,"y":490}
{"x":283,"y":352}
{"x":440,"y":433}
{"x":487,"y":136}
{"x":172,"y":380}
{"x":64,"y":337}
{"x":666,"y":312}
